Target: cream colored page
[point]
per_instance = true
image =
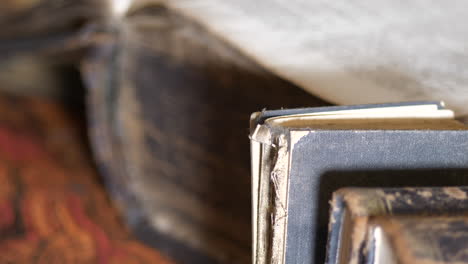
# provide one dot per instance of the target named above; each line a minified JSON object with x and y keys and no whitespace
{"x":350,"y":52}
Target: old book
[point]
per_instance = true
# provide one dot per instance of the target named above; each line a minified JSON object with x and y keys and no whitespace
{"x":168,"y":104}
{"x":398,"y":225}
{"x":300,"y":156}
{"x":168,"y":100}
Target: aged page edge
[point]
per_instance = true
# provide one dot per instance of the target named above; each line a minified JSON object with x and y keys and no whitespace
{"x":256,"y":156}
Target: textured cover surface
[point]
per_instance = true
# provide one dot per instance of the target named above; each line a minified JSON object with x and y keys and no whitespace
{"x":323,"y":161}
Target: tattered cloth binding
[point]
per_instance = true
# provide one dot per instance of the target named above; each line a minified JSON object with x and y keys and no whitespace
{"x":301,"y":156}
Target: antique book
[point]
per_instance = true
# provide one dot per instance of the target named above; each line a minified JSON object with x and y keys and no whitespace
{"x":168,"y":104}
{"x":402,"y":225}
{"x":169,"y":89}
{"x":301,"y":156}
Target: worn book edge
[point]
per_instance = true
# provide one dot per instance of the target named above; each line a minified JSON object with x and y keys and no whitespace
{"x":273,"y":140}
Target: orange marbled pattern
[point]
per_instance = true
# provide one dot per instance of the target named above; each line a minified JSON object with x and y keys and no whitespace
{"x":52,"y":208}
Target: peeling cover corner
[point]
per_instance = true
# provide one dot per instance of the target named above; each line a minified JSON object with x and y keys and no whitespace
{"x":262,"y":134}
{"x":268,"y":134}
{"x":254,"y":117}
